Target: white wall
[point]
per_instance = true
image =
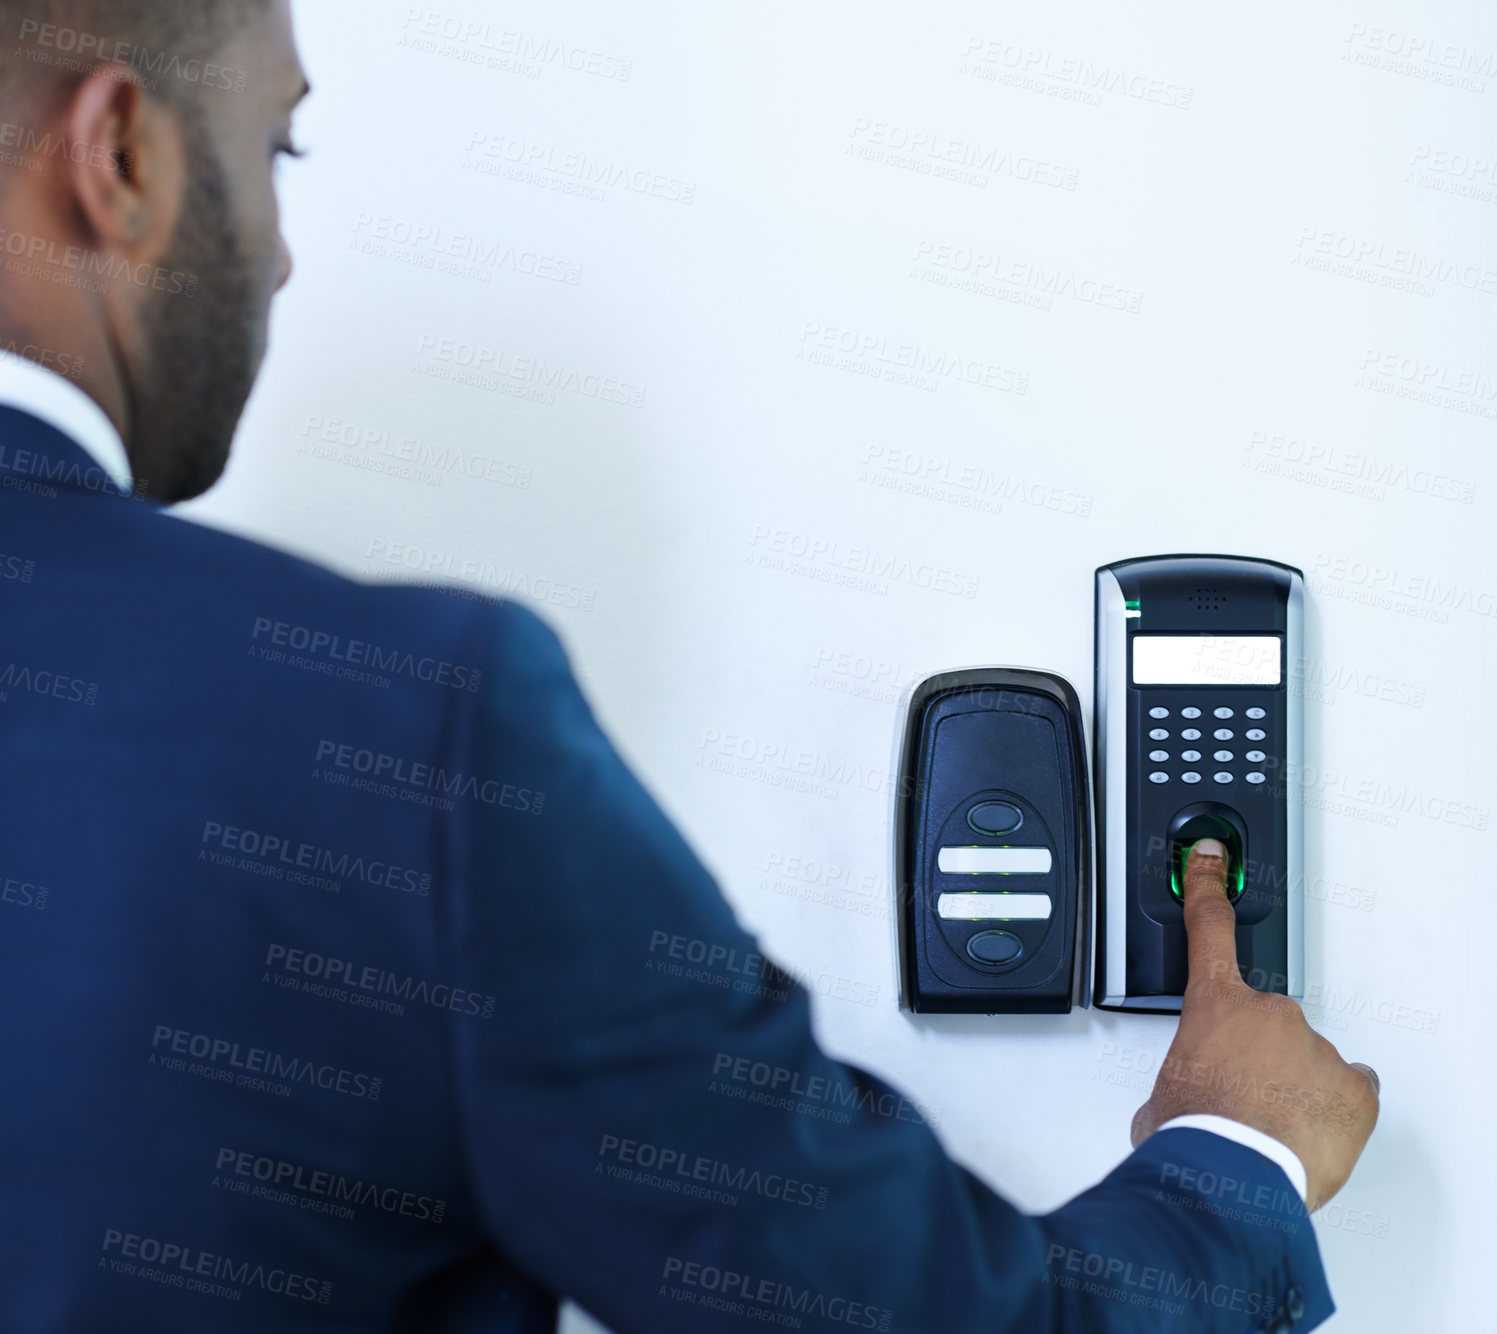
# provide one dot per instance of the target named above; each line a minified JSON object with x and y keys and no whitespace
{"x":1262,"y":396}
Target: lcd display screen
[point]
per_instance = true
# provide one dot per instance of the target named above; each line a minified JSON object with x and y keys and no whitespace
{"x":1206,"y":660}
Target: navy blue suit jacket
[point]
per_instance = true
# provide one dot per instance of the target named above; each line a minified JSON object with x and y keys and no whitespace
{"x":350,"y":981}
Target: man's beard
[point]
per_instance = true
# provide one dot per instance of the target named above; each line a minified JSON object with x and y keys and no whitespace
{"x":202,"y":351}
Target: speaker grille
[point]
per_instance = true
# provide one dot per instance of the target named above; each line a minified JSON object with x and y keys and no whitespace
{"x":1205,"y":598}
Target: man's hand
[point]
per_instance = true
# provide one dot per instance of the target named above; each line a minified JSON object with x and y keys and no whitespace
{"x":1252,"y":1056}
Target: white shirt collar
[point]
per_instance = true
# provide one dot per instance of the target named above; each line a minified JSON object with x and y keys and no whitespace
{"x":42,"y":392}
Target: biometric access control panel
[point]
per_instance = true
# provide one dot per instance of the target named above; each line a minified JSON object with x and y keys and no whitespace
{"x":1197,"y":735}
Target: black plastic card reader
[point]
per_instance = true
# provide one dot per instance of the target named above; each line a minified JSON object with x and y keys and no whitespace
{"x":992,"y":844}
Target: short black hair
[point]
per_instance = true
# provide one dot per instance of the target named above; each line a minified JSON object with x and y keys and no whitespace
{"x":167,"y":42}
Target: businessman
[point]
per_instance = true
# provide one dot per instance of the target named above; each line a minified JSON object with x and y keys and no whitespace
{"x":341,"y":957}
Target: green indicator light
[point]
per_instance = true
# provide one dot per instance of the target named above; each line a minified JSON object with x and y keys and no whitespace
{"x":1132,"y":605}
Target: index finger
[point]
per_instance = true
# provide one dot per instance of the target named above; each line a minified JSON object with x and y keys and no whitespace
{"x":1210,"y":920}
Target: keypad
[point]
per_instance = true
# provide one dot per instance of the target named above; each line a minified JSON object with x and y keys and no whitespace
{"x":1232,"y":765}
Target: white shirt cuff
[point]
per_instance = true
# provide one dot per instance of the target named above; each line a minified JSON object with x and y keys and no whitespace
{"x":1250,"y":1138}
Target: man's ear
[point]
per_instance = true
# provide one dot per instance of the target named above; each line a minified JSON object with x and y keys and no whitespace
{"x":126,"y":168}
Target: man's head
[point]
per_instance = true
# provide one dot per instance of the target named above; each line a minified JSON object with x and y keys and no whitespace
{"x":139,"y":224}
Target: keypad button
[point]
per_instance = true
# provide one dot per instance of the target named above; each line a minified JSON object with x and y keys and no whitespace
{"x":1158,"y":734}
{"x":1224,"y":757}
{"x":1255,"y":734}
{"x":1223,"y":734}
{"x":1159,"y":756}
{"x":1159,"y":712}
{"x":1256,"y":712}
{"x":1191,"y":734}
{"x":1190,"y":711}
{"x":1255,"y":757}
{"x":1159,"y":776}
{"x":1222,"y":712}
{"x":1222,"y":776}
{"x":1257,"y":777}
{"x":1190,"y":756}
{"x":1190,"y":776}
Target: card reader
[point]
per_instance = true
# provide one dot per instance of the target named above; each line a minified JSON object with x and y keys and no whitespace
{"x":1197,"y":736}
{"x":992,"y":844}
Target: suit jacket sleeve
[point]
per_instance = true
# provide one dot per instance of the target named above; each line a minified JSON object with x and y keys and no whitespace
{"x":652,"y":1130}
